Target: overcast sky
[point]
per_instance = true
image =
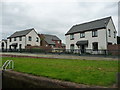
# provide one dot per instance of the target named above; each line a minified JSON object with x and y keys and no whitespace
{"x":53,"y":17}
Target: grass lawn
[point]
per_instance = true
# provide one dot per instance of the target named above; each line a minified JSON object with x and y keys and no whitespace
{"x":91,"y":72}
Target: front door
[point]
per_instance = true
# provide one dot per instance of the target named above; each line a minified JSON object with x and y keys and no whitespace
{"x":2,"y":46}
{"x":82,"y":48}
{"x":20,"y":46}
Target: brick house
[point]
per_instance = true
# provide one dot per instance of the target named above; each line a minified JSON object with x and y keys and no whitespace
{"x":50,"y":41}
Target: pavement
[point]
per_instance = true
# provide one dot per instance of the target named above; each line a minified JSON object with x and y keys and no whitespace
{"x":61,"y":56}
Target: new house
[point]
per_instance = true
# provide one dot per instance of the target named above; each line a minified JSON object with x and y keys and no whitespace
{"x":94,"y":35}
{"x":51,"y":41}
{"x":21,"y":39}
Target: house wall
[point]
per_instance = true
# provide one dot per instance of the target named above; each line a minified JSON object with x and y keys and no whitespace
{"x":34,"y":35}
{"x":57,"y":45}
{"x":17,"y":41}
{"x":101,"y":39}
{"x":112,"y":28}
{"x":43,"y":43}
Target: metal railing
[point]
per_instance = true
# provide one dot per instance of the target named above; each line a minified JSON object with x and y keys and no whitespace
{"x":67,"y":51}
{"x":9,"y":63}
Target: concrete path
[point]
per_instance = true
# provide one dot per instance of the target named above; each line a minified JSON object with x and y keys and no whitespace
{"x":62,"y":56}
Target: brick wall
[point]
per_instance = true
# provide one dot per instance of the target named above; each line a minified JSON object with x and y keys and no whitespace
{"x":58,"y":45}
{"x":114,"y":49}
{"x":37,"y":47}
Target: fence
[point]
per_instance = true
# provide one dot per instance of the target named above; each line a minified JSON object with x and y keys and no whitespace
{"x":66,"y":51}
{"x":114,"y":49}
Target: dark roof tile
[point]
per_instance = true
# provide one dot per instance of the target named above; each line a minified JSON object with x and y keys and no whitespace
{"x":21,"y":33}
{"x":49,"y":38}
{"x":96,"y":24}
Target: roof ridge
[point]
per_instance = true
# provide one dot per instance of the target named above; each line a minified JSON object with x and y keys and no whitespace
{"x":49,"y":34}
{"x":21,"y":33}
{"x":94,"y":24}
{"x":93,"y":21}
{"x":25,"y":30}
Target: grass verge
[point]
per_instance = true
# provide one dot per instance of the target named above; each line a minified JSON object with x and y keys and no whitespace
{"x":90,"y":72}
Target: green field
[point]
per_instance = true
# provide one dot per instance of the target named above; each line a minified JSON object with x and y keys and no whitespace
{"x":90,"y":72}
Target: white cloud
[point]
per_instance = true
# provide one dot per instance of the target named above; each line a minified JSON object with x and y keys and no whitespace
{"x":53,"y":17}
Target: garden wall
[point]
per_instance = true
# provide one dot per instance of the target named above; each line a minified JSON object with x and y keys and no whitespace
{"x":114,"y":49}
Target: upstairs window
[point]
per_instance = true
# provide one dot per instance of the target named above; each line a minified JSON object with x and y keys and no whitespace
{"x":37,"y":39}
{"x":114,"y":34}
{"x":20,"y":38}
{"x":94,"y":33}
{"x":82,"y":35}
{"x":29,"y":38}
{"x":15,"y":39}
{"x":95,"y":46}
{"x":109,"y":32}
{"x":72,"y":37}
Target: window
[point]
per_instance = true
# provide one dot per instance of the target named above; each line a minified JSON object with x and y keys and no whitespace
{"x":15,"y":39}
{"x":29,"y":38}
{"x":109,"y":43}
{"x":114,"y":34}
{"x":2,"y":45}
{"x":109,"y":32}
{"x":95,"y":46}
{"x":37,"y":39}
{"x":72,"y":37}
{"x":94,"y":33}
{"x":82,"y":35}
{"x":58,"y":41}
{"x":28,"y":44}
{"x":20,"y":46}
{"x":20,"y":38}
{"x":10,"y":39}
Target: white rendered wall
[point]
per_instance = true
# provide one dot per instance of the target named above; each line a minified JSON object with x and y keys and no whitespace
{"x":33,"y":34}
{"x":17,"y":41}
{"x":101,"y":39}
{"x":112,"y":29}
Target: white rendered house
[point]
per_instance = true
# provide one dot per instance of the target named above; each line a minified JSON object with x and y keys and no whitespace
{"x":94,"y":35}
{"x":21,"y":39}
